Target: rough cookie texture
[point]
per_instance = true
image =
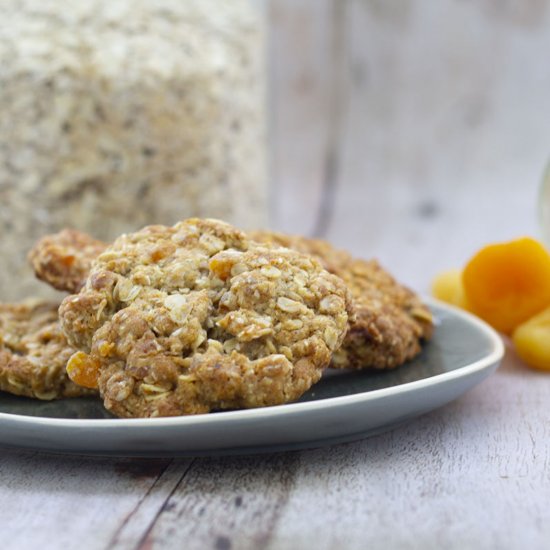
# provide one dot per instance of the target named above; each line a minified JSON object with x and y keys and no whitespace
{"x":195,"y":317}
{"x":34,"y":352}
{"x":63,"y":260}
{"x":391,"y":321}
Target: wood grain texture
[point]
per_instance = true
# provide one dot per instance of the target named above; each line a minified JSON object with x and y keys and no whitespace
{"x":302,"y":48}
{"x":215,"y":510}
{"x":471,"y":475}
{"x":437,"y":119}
{"x":443,"y":128}
{"x":51,"y":501}
{"x":443,"y":101}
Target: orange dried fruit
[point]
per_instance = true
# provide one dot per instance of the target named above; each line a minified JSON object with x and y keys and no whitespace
{"x":83,"y":370}
{"x":532,"y":340}
{"x":448,"y":287}
{"x":507,"y":283}
{"x":220,"y":267}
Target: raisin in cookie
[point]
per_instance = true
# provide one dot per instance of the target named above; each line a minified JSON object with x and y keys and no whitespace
{"x":391,"y":321}
{"x":196,"y":317}
{"x":34,"y":352}
{"x":63,"y":260}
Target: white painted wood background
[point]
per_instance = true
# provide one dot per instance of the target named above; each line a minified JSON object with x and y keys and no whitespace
{"x":429,"y":124}
{"x":418,"y":115}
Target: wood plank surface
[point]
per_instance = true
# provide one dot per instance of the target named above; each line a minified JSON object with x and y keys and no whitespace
{"x":414,"y":132}
{"x":442,"y":126}
{"x":303,"y":52}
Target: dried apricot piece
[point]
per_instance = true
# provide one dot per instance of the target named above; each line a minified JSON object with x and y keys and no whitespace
{"x":83,"y":370}
{"x":507,"y":283}
{"x":532,"y":340}
{"x":448,"y":287}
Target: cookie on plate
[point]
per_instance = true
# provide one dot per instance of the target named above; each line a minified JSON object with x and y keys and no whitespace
{"x":63,"y":260}
{"x":34,"y":352}
{"x":198,"y":317}
{"x":391,"y":321}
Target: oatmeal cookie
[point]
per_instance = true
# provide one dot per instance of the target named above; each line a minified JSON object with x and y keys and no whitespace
{"x":34,"y":352}
{"x":197,"y":317}
{"x":391,"y":321}
{"x":63,"y":260}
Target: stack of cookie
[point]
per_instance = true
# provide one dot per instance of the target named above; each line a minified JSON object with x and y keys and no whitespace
{"x":199,"y":317}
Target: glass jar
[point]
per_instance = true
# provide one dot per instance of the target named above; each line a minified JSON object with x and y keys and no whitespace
{"x":120,"y":113}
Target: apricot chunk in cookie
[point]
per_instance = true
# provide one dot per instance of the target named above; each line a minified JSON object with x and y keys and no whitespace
{"x":198,"y":317}
{"x":391,"y":321}
{"x":34,"y":352}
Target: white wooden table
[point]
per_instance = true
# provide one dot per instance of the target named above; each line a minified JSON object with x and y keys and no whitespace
{"x":421,"y":129}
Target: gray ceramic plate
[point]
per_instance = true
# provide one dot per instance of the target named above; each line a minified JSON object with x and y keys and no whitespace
{"x":342,"y":407}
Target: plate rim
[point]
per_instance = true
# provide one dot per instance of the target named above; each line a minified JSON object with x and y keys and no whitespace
{"x":492,"y":357}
